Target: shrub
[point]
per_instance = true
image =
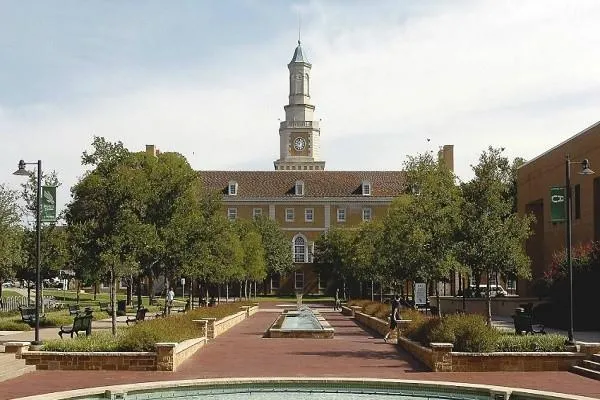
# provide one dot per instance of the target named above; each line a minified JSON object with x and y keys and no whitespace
{"x":468,"y":333}
{"x":101,"y":341}
{"x":13,"y":324}
{"x":514,"y":343}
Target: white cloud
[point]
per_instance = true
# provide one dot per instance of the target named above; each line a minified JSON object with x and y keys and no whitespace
{"x":521,"y":75}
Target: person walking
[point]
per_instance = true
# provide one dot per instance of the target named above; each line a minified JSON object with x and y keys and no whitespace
{"x":336,"y":300}
{"x":170,"y":298}
{"x":394,"y":317}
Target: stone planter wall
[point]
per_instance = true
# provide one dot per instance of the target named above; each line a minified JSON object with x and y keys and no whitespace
{"x":167,"y":357}
{"x":378,"y":325}
{"x":440,"y":358}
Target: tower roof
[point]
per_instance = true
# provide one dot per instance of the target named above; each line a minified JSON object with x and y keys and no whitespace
{"x":298,"y":55}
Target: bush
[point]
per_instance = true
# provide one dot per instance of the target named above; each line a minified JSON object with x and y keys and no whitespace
{"x":514,"y":343}
{"x":101,"y":341}
{"x":14,"y":324}
{"x":468,"y":333}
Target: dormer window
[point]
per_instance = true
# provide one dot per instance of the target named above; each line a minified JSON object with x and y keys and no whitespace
{"x":299,"y":188}
{"x":232,"y":188}
{"x":366,"y":188}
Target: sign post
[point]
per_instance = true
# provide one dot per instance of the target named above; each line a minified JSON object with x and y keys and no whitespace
{"x":420,"y":293}
{"x":558,"y":204}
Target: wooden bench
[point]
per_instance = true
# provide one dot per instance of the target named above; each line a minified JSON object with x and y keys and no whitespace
{"x":28,"y":315}
{"x":524,"y":324}
{"x":80,"y":323}
{"x":73,"y":309}
{"x":140,"y":315}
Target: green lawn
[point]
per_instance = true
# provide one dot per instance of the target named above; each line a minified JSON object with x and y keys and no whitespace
{"x":10,"y":293}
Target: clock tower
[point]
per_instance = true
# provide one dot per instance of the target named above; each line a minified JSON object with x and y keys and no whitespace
{"x":299,"y":134}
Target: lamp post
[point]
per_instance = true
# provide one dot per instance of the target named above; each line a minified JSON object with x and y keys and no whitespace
{"x":22,"y":171}
{"x":585,"y":170}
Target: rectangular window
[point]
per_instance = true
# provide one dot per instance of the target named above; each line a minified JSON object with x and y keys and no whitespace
{"x":366,"y":188}
{"x":231,"y":213}
{"x":299,"y":280}
{"x":256,"y":212}
{"x":299,"y":188}
{"x":366,"y":214}
{"x":289,"y":215}
{"x":341,"y":215}
{"x":322,"y":282}
{"x":309,"y":214}
{"x":275,"y":282}
{"x":577,"y":202}
{"x":232,"y":189}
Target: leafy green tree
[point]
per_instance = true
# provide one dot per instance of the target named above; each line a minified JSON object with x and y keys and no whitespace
{"x":10,"y":234}
{"x":276,"y":246}
{"x":254,"y":265}
{"x":493,"y":234}
{"x":333,"y":255}
{"x":426,"y":222}
{"x":364,"y":256}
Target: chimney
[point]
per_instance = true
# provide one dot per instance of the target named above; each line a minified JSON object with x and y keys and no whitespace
{"x":152,"y":150}
{"x":446,"y":154}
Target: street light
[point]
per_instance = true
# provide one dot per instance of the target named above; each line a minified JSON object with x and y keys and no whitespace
{"x":23,"y":172}
{"x":585,"y":170}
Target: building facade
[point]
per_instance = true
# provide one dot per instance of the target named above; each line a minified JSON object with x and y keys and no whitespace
{"x":299,"y":194}
{"x":534,"y":182}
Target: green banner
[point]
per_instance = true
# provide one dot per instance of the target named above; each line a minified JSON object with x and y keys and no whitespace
{"x":48,"y":210}
{"x":558,"y":204}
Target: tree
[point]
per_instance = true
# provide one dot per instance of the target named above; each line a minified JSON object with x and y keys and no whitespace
{"x":365,"y":265}
{"x":493,"y":234}
{"x":10,"y":234}
{"x":254,"y":265}
{"x":276,"y":246}
{"x":426,"y":222}
{"x":333,"y":255}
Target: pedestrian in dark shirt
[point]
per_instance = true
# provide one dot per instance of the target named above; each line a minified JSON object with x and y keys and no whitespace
{"x":394,"y":317}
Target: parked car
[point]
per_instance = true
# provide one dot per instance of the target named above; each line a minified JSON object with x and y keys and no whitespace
{"x":495,"y":290}
{"x":8,"y":284}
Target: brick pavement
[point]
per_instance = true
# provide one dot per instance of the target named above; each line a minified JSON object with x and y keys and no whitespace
{"x":243,"y":352}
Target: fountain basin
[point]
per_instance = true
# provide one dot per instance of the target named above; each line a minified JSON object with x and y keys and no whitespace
{"x":303,"y":323}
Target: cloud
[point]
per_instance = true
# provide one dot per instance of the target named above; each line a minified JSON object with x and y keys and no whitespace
{"x":524,"y":76}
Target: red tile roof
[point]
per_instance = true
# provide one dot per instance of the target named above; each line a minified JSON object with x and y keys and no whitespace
{"x":268,"y":184}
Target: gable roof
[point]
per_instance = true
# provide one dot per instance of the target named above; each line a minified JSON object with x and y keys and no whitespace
{"x":269,"y":184}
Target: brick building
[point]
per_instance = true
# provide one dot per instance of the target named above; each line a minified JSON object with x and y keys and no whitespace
{"x":534,"y":181}
{"x":299,"y":194}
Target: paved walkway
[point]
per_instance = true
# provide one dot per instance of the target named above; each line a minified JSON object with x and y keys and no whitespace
{"x":243,"y":352}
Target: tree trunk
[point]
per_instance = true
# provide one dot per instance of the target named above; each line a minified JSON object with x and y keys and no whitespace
{"x":113,"y":300}
{"x":29,"y":294}
{"x":381,"y":291}
{"x":191,"y":293}
{"x":240,"y":290}
{"x":151,"y":287}
{"x":129,"y":290}
{"x":166,"y":308}
{"x":139,"y":291}
{"x":255,"y":294}
{"x":95,"y":290}
{"x":77,"y":288}
{"x":227,"y":293}
{"x":218,"y":294}
{"x":437,"y":298}
{"x":489,"y":302}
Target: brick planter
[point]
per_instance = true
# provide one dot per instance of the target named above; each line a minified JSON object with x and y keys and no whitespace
{"x":378,"y":325}
{"x":166,"y":357}
{"x":439,"y":357}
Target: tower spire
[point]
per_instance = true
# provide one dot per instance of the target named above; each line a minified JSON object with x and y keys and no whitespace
{"x":299,"y":28}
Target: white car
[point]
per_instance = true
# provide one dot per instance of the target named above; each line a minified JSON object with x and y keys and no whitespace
{"x":495,"y":290}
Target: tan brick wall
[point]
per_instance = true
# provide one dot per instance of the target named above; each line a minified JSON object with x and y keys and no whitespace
{"x":44,"y":360}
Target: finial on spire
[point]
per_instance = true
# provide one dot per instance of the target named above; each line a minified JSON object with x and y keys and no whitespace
{"x":299,"y":28}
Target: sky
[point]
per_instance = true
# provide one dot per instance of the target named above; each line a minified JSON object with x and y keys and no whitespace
{"x":208,"y":79}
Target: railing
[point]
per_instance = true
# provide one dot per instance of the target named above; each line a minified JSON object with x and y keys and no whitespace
{"x":298,"y":124}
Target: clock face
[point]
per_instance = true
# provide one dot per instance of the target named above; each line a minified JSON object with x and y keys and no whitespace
{"x":299,"y":143}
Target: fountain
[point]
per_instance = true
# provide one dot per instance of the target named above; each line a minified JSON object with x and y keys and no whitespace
{"x":300,"y":323}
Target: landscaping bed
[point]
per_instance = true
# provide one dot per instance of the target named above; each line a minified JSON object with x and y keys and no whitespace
{"x":159,"y":344}
{"x":464,"y":342}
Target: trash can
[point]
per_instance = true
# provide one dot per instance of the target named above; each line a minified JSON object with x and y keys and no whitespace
{"x":121,"y":307}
